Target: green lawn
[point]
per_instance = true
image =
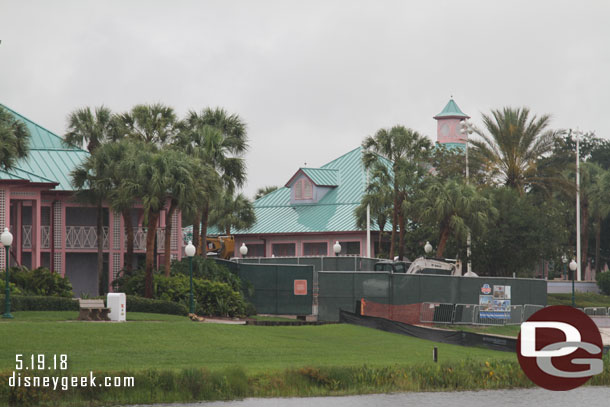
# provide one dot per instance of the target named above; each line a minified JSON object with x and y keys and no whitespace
{"x":171,"y":342}
{"x":581,"y":300}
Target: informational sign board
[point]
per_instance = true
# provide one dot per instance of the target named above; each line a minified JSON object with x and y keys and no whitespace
{"x":496,"y":305}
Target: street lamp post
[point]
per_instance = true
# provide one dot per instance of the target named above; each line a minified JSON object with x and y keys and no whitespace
{"x":573,"y":267}
{"x":7,"y":239}
{"x":467,"y":128}
{"x":189,"y":250}
{"x":243,"y":250}
{"x":337,"y":248}
{"x":578,"y":133}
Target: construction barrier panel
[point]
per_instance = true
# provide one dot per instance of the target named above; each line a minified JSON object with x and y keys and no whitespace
{"x":281,"y":289}
{"x":341,"y":290}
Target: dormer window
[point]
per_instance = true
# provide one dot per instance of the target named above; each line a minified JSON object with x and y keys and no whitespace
{"x":303,"y":189}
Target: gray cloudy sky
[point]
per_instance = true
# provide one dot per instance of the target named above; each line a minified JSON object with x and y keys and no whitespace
{"x":310,"y":78}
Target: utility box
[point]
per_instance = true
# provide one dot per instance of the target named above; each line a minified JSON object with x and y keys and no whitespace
{"x":117,"y":302}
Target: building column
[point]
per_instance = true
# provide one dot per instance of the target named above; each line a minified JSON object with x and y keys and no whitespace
{"x":36,"y":232}
{"x":18,"y":232}
{"x":58,"y":229}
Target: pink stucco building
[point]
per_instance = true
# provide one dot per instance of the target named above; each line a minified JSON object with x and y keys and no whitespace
{"x":50,"y":229}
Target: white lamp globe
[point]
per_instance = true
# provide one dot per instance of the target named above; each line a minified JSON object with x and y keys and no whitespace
{"x":573,"y":265}
{"x":243,"y":249}
{"x":427,"y":247}
{"x":189,"y":250}
{"x":337,"y":247}
{"x":6,"y":238}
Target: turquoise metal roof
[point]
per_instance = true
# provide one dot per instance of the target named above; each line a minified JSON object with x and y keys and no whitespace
{"x":333,"y":213}
{"x":50,"y":159}
{"x":451,"y":110}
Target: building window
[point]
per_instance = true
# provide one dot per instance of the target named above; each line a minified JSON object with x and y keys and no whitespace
{"x":256,"y":249}
{"x":315,"y":249}
{"x":350,"y":248}
{"x":303,"y":189}
{"x":283,"y":249}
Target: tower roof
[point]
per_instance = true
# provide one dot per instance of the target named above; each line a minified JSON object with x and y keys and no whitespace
{"x":451,"y":110}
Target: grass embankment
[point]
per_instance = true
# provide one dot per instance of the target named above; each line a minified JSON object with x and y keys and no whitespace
{"x":175,"y":360}
{"x":177,"y":343}
{"x":581,"y":300}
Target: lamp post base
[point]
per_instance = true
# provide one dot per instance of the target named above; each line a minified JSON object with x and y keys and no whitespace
{"x":7,"y":316}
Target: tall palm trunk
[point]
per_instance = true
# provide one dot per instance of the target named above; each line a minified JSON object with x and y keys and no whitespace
{"x":442,"y":241}
{"x":204,"y":229}
{"x":381,"y":227}
{"x":598,"y":229}
{"x":168,"y":236}
{"x":150,"y":253}
{"x":100,"y":250}
{"x":129,"y":233}
{"x":401,"y":235}
{"x":196,"y":226}
{"x":584,"y":236}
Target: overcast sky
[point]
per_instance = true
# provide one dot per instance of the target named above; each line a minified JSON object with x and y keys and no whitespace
{"x":310,"y":78}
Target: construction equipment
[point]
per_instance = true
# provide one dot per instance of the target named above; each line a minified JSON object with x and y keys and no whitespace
{"x":421,"y":265}
{"x":222,"y":247}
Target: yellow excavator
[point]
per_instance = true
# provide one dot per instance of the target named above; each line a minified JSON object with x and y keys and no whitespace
{"x":221,"y":246}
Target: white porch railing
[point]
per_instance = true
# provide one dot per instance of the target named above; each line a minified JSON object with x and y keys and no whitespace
{"x":139,"y":239}
{"x":26,"y":236}
{"x":45,"y":237}
{"x":84,"y":237}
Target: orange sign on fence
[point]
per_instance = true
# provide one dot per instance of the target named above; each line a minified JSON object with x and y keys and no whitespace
{"x":300,"y":287}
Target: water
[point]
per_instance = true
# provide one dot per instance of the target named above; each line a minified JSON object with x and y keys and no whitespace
{"x":583,"y":396}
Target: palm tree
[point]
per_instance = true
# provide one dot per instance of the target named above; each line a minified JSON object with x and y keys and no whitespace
{"x":91,"y":127}
{"x":190,"y":183}
{"x":14,"y":139}
{"x":378,"y":197}
{"x":156,"y":124}
{"x":97,"y":128}
{"x":456,"y":208}
{"x":91,"y":189}
{"x":261,"y":192}
{"x":510,"y":152}
{"x":219,"y":140}
{"x":232,"y":212}
{"x":407,"y":151}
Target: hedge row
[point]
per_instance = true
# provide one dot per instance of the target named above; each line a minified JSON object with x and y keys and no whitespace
{"x":134,"y":304}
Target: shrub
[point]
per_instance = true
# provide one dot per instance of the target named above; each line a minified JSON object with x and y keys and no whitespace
{"x":39,"y":282}
{"x":207,"y":269}
{"x":211,"y":297}
{"x":603,"y":282}
{"x":139,"y":304}
{"x":14,"y":289}
{"x":39,"y":303}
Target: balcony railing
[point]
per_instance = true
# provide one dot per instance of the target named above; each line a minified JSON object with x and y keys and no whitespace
{"x":139,"y":239}
{"x":84,"y":237}
{"x":26,"y":237}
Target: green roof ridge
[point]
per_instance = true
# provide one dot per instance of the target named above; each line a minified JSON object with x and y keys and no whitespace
{"x":451,"y":110}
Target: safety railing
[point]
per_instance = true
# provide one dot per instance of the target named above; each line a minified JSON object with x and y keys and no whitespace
{"x":597,"y":311}
{"x":474,"y":314}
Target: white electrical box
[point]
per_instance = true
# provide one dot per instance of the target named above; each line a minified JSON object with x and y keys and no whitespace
{"x":117,"y":302}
